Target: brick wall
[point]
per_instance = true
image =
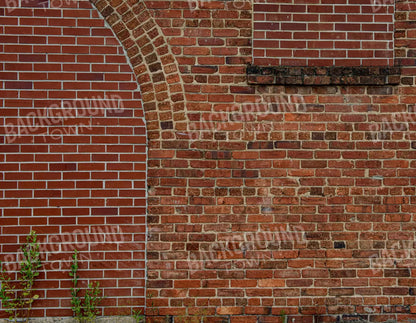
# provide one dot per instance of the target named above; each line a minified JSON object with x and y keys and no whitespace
{"x":73,"y":154}
{"x":266,"y":199}
{"x":323,"y":33}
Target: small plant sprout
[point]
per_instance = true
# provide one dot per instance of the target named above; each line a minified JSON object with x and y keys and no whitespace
{"x":138,"y":316}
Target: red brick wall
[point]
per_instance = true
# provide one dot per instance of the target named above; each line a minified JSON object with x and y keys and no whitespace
{"x":266,"y":199}
{"x":73,"y":154}
{"x":323,"y":33}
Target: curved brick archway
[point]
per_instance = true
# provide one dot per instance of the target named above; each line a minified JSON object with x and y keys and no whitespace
{"x":155,"y":67}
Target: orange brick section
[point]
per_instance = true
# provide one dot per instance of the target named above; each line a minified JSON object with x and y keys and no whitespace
{"x":263,"y":201}
{"x":263,"y":163}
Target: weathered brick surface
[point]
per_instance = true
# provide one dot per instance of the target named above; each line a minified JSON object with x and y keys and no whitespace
{"x":262,"y":199}
{"x":330,"y":160}
{"x":333,"y":75}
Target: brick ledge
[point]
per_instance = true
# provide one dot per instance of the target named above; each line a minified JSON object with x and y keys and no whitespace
{"x":333,"y":75}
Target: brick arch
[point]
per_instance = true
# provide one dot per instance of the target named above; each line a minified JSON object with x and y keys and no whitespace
{"x":153,"y":63}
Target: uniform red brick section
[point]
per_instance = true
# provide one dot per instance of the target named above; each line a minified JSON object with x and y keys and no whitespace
{"x":262,"y":199}
{"x":323,"y":33}
{"x":73,"y":154}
